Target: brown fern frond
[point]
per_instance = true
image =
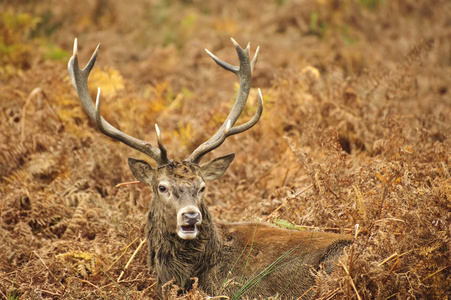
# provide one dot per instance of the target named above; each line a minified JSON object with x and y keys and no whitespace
{"x":84,"y":263}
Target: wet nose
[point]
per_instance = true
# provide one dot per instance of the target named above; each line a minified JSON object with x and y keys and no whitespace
{"x":191,"y":218}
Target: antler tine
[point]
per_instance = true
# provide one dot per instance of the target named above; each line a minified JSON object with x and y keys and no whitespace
{"x":244,"y":73}
{"x":79,"y":78}
{"x":164,"y":154}
{"x":222,"y":63}
{"x":251,"y":122}
{"x":254,"y":60}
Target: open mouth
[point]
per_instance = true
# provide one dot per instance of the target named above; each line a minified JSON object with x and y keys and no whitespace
{"x":188,"y":220}
{"x":188,"y":228}
{"x":187,"y":232}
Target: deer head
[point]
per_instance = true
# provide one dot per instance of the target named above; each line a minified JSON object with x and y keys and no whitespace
{"x":177,"y":186}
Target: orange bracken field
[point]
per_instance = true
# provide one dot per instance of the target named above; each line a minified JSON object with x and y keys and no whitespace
{"x":355,"y":137}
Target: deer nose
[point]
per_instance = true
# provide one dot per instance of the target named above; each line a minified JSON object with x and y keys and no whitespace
{"x":191,"y":218}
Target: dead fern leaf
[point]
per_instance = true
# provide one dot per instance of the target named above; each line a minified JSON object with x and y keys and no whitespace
{"x":84,"y":263}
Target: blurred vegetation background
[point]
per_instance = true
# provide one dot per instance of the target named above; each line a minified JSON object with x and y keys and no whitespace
{"x":355,"y":131}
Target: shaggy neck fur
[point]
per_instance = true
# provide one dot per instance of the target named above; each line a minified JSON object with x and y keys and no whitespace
{"x":175,"y":258}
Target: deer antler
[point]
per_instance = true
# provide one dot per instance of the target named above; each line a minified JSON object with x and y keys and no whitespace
{"x":244,"y":73}
{"x":80,"y":82}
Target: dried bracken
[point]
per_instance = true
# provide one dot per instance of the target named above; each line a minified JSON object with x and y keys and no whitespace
{"x":355,"y":130}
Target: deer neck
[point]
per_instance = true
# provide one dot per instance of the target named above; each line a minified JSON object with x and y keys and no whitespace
{"x":175,"y":258}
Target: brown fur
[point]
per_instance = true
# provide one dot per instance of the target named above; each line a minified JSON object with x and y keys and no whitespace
{"x":225,"y":256}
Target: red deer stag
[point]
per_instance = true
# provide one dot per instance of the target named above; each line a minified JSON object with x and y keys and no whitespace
{"x":234,"y":259}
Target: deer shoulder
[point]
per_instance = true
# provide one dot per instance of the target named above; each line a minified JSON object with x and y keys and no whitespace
{"x":281,"y":259}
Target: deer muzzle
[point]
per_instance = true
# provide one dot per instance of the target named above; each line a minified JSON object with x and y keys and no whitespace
{"x":187,"y":220}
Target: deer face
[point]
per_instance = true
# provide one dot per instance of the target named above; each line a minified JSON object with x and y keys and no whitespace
{"x":178,"y":188}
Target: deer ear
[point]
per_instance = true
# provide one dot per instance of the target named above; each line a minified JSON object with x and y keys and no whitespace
{"x":141,"y":170}
{"x":215,"y":168}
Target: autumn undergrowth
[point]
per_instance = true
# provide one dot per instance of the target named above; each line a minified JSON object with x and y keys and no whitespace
{"x":354,"y":137}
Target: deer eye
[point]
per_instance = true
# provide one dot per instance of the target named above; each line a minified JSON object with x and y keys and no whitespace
{"x":162,"y":188}
{"x":202,"y":190}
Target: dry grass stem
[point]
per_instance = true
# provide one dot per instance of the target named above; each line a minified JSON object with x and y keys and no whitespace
{"x":306,"y":293}
{"x":50,"y":272}
{"x":351,"y":281}
{"x":436,"y":272}
{"x":123,"y":253}
{"x":127,"y":183}
{"x":131,"y":258}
